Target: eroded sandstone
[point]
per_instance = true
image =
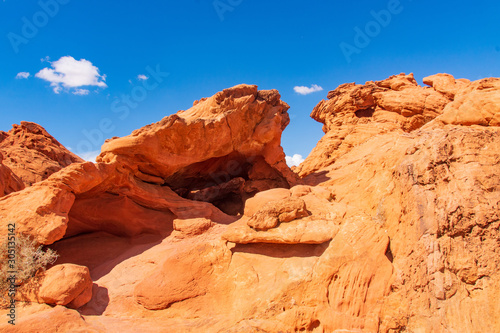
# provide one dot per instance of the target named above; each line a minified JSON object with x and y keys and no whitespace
{"x":195,"y":224}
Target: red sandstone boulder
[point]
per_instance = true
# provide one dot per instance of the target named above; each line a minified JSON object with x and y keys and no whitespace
{"x":276,"y":212}
{"x":67,"y":284}
{"x":252,"y":205}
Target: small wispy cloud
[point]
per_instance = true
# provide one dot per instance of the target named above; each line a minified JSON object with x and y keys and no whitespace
{"x":81,"y":92}
{"x":294,"y":160}
{"x":142,"y":77}
{"x":303,"y":90}
{"x":90,"y":156}
{"x":68,"y":74}
{"x":22,"y":75}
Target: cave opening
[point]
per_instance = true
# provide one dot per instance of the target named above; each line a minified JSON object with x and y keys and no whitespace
{"x":227,"y":181}
{"x":365,"y":113}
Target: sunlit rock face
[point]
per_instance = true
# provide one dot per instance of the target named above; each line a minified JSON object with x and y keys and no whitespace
{"x":196,"y":224}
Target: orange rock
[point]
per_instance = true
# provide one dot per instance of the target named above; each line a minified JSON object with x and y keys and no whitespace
{"x":66,"y":284}
{"x":402,"y":197}
{"x":252,"y":205}
{"x":275,"y":212}
{"x":302,"y":231}
{"x":32,"y":153}
{"x":184,"y":275}
{"x":48,"y":320}
{"x":354,"y":114}
{"x":192,"y":227}
{"x":9,"y":182}
{"x":234,"y":134}
{"x":135,"y":189}
{"x":479,"y":104}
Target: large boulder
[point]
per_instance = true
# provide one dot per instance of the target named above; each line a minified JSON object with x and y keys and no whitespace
{"x":68,"y":284}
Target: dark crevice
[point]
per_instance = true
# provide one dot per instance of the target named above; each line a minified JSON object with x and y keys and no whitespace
{"x":226,"y":182}
{"x":388,"y":253}
{"x":365,"y":113}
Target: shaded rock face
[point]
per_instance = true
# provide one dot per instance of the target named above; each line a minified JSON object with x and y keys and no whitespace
{"x":9,"y":182}
{"x":33,"y":154}
{"x":393,"y":228}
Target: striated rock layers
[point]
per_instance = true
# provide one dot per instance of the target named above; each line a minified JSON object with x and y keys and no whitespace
{"x":195,"y":223}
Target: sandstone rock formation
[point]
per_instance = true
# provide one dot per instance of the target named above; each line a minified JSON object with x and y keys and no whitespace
{"x":394,"y":226}
{"x":355,"y":113}
{"x":32,"y":153}
{"x":135,"y":186}
{"x":65,"y":284}
{"x":9,"y":182}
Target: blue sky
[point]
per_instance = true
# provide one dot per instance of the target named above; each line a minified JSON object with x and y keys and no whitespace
{"x":206,"y":46}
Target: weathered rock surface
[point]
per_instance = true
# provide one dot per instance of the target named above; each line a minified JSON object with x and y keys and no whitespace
{"x":192,"y":227}
{"x":32,"y":153}
{"x":45,"y":319}
{"x":394,"y":227}
{"x":355,"y":113}
{"x":184,"y":275}
{"x":9,"y":182}
{"x":232,"y":137}
{"x":274,"y":213}
{"x":66,"y":284}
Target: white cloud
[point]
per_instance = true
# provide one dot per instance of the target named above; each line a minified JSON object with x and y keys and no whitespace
{"x":22,"y":75}
{"x":45,"y":59}
{"x":90,"y":156}
{"x":81,"y":92}
{"x":142,"y":77}
{"x":294,"y":160}
{"x":68,"y":73}
{"x":302,"y":90}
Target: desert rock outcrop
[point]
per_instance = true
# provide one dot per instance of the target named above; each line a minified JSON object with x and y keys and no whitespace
{"x":196,"y":224}
{"x":32,"y":153}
